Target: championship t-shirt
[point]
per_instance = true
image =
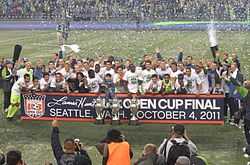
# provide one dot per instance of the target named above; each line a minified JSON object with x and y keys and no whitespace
{"x":192,"y":82}
{"x":146,"y":77}
{"x":132,"y":79}
{"x":94,"y":84}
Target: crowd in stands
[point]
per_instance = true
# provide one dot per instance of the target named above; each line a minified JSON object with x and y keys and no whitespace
{"x":128,"y":9}
{"x":176,"y":149}
{"x":110,"y":75}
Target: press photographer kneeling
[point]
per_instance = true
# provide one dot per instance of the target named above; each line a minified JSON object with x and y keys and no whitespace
{"x":73,"y":152}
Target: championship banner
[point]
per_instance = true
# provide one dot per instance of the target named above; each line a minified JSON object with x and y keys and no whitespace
{"x":193,"y":109}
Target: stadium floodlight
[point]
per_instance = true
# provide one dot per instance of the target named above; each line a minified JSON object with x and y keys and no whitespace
{"x":134,"y":107}
{"x":115,"y":111}
{"x":99,"y":106}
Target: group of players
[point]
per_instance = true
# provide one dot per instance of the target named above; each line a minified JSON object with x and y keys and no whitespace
{"x":111,"y":75}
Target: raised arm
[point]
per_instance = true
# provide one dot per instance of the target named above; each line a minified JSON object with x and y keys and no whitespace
{"x":55,"y":141}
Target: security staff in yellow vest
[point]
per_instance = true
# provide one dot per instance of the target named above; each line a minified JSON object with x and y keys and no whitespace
{"x":115,"y":149}
{"x":7,"y":82}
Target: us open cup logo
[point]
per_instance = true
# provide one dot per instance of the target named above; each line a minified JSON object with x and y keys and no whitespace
{"x":34,"y":105}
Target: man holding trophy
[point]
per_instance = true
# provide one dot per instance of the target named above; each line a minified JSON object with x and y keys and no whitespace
{"x":99,"y":106}
{"x":112,"y":105}
{"x":115,"y":107}
{"x":134,"y":106}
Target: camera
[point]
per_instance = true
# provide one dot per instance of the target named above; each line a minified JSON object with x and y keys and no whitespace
{"x":78,"y":145}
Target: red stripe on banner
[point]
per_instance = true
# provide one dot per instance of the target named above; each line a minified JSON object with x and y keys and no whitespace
{"x":219,"y":122}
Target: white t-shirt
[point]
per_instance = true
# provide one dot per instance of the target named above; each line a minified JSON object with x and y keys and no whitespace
{"x":146,"y":76}
{"x":132,"y":79}
{"x":154,"y":87}
{"x":85,"y":73}
{"x":21,"y":72}
{"x":161,"y":72}
{"x":44,"y":84}
{"x":204,"y":82}
{"x":66,"y":74}
{"x":192,"y":82}
{"x":175,"y":74}
{"x":94,"y":83}
{"x":16,"y":88}
{"x":55,"y":84}
{"x":104,"y":71}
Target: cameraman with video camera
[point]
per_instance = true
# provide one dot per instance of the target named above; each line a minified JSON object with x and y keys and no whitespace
{"x":73,"y":152}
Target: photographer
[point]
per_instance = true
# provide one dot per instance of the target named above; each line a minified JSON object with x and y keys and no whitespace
{"x":115,"y":149}
{"x":246,"y":112}
{"x":178,"y":144}
{"x":73,"y":152}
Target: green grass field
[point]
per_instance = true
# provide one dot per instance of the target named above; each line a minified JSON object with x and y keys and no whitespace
{"x":221,"y":145}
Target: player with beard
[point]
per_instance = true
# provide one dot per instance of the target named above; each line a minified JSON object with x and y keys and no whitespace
{"x":132,"y":79}
{"x":147,"y":74}
{"x":193,"y":82}
{"x":154,"y":85}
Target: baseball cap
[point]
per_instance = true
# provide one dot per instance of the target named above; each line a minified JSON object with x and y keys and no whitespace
{"x":114,"y":134}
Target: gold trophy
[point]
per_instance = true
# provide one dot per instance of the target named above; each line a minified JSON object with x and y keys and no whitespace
{"x":134,"y":106}
{"x":99,"y":105}
{"x":115,"y":107}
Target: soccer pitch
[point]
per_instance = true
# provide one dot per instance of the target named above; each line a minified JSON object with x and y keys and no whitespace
{"x":221,"y":145}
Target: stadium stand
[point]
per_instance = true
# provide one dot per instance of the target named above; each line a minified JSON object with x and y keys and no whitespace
{"x":143,"y":10}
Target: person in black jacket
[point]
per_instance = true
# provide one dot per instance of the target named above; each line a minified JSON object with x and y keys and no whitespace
{"x":81,"y":83}
{"x":72,"y":153}
{"x":246,"y":112}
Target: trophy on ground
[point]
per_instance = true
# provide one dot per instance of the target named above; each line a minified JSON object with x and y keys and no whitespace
{"x":134,"y":106}
{"x":99,"y":106}
{"x":115,"y":107}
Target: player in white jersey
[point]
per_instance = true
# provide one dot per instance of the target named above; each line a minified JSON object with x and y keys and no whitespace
{"x":132,"y":79}
{"x":147,"y":74}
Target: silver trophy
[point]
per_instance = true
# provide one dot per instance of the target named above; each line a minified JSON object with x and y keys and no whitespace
{"x":115,"y":107}
{"x":99,"y":105}
{"x":134,"y":106}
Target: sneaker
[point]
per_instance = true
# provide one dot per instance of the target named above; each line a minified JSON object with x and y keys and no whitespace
{"x":6,"y":110}
{"x":10,"y":118}
{"x":246,"y":156}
